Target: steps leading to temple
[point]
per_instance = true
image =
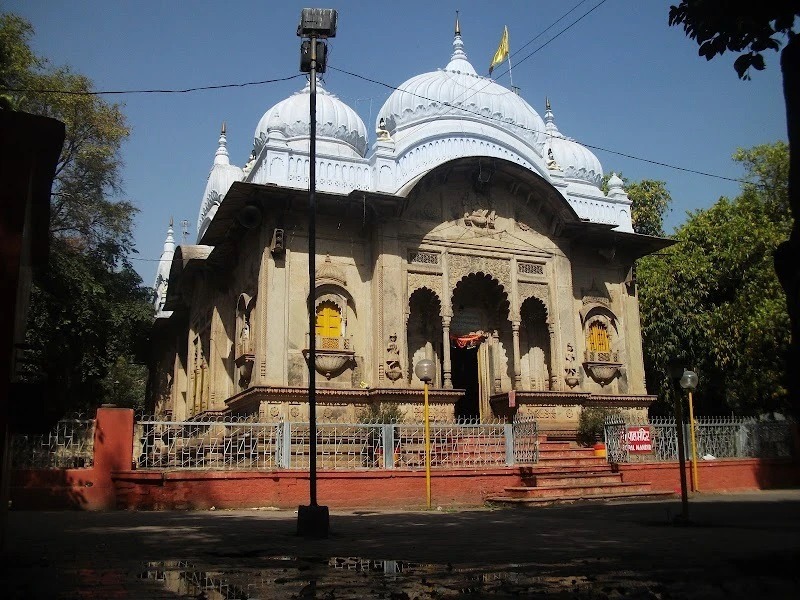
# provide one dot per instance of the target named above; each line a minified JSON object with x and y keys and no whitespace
{"x":568,"y":473}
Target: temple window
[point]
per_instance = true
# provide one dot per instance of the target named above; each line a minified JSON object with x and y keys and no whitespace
{"x":329,"y":320}
{"x":598,"y":339}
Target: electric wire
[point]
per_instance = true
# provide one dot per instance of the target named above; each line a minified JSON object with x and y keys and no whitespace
{"x":151,"y":91}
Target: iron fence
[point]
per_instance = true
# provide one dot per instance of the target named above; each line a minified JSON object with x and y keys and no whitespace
{"x":230,"y":443}
{"x":716,"y":437}
{"x":246,"y":444}
{"x":525,"y":435}
{"x":70,"y":444}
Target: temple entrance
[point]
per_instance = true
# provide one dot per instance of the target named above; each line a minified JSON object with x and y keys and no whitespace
{"x":465,"y":376}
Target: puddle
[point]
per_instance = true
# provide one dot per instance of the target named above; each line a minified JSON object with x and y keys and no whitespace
{"x":344,"y":578}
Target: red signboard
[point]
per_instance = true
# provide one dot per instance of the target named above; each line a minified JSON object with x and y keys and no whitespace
{"x":639,"y":440}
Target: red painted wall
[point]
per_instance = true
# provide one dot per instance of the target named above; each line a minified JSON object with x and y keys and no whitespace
{"x":722,"y":475}
{"x":289,"y":489}
{"x":81,"y":489}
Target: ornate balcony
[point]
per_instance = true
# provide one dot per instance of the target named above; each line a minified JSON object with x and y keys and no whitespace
{"x":603,"y":367}
{"x":333,"y":354}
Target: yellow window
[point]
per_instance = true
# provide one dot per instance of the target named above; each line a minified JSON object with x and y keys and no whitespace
{"x":329,"y":320}
{"x":598,"y":340}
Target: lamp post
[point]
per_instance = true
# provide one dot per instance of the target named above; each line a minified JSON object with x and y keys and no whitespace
{"x":689,"y":381}
{"x":315,"y":24}
{"x":425,"y":370}
{"x":675,"y":372}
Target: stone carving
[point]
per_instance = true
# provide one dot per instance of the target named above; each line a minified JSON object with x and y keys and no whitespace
{"x":480,"y":217}
{"x":418,"y":281}
{"x":534,"y":290}
{"x":551,"y":163}
{"x":393,"y":369}
{"x":571,"y":369}
{"x":462,"y":265}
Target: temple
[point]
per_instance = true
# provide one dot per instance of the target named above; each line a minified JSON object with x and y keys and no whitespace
{"x":471,"y":232}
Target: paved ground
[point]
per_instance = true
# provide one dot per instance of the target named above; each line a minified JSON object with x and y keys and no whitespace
{"x":739,"y":546}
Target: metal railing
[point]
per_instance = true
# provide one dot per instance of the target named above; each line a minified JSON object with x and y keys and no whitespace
{"x":70,"y":444}
{"x":246,"y":444}
{"x":716,"y":437}
{"x":228,"y":443}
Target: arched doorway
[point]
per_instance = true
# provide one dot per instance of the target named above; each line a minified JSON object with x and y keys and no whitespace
{"x":479,"y":330}
{"x":535,"y":359}
{"x":424,"y":332}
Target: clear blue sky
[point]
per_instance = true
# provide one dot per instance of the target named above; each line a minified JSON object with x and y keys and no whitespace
{"x":620,"y":78}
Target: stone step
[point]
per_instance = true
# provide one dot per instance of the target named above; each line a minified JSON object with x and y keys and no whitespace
{"x":575,"y":478}
{"x":545,"y":501}
{"x":573,"y":490}
{"x":567,"y":453}
{"x":587,"y":462}
{"x":556,"y":445}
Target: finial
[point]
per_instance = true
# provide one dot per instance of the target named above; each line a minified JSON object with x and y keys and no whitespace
{"x":547,"y":103}
{"x":223,"y":128}
{"x":170,"y":222}
{"x":458,"y":26}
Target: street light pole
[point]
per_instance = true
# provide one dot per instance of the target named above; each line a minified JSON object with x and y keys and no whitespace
{"x":315,"y":23}
{"x":675,"y":371}
{"x":425,"y":371}
{"x":689,"y":381}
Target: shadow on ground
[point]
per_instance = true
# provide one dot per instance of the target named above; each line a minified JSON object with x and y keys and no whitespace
{"x":740,"y":546}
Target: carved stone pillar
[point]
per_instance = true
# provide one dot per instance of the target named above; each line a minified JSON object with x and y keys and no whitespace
{"x":447,"y":367}
{"x":498,"y":380}
{"x":555,"y":380}
{"x":517,"y":367}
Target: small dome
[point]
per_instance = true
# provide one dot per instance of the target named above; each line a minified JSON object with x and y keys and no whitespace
{"x":434,"y":95}
{"x":576,"y":161}
{"x":339,"y":128}
{"x":330,"y":273}
{"x":220,"y":180}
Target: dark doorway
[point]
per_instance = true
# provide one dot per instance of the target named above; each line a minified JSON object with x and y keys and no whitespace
{"x":465,"y":376}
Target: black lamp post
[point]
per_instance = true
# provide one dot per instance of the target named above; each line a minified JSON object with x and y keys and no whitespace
{"x":676,"y":372}
{"x":315,"y":24}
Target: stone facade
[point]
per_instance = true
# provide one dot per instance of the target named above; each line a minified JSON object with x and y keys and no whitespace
{"x":488,"y":249}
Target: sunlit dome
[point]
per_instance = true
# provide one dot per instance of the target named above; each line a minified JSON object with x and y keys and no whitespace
{"x":457,"y":92}
{"x":576,"y":161}
{"x":340,"y":131}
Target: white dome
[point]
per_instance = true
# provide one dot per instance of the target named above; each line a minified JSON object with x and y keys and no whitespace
{"x":220,"y":180}
{"x":433,"y":96}
{"x":576,"y":161}
{"x":340,"y":130}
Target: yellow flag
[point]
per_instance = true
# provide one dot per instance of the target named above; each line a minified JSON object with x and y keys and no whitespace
{"x":502,"y":51}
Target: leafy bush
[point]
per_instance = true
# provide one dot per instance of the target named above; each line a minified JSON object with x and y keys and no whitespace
{"x":590,"y":424}
{"x":381,"y":412}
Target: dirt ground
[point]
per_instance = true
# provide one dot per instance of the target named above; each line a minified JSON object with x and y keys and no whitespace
{"x":736,"y":546}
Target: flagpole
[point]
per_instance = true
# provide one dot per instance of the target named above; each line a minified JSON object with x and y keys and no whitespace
{"x":509,"y":68}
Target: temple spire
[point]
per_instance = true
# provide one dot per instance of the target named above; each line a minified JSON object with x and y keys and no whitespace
{"x":221,"y":157}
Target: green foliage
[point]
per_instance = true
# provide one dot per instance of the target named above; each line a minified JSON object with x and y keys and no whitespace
{"x":714,"y":300}
{"x":86,"y":323}
{"x":748,"y":27}
{"x":381,"y":412}
{"x":90,"y":314}
{"x":590,"y":424}
{"x":650,"y":200}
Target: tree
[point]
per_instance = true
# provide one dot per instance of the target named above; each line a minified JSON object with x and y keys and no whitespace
{"x":89,"y":312}
{"x":714,"y":298}
{"x":753,"y":28}
{"x":651,"y":201}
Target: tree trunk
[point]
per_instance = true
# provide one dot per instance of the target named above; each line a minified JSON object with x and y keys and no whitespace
{"x":787,"y":256}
